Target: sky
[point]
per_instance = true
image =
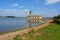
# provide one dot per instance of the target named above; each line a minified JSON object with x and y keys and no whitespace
{"x":46,"y":8}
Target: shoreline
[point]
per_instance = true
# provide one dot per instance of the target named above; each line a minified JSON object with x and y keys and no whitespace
{"x":1,"y":33}
{"x":11,"y":35}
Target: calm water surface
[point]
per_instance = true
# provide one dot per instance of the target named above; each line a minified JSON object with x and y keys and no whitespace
{"x":10,"y":24}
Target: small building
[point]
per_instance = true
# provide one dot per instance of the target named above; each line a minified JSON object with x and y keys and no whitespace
{"x":34,"y":18}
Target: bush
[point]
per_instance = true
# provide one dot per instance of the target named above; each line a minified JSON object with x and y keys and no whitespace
{"x":56,"y":19}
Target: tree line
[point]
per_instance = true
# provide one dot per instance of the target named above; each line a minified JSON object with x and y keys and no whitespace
{"x":56,"y":19}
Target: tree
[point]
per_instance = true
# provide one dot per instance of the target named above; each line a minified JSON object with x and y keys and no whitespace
{"x":56,"y":19}
{"x":10,"y":16}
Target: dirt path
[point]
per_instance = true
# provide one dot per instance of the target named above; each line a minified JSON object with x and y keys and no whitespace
{"x":11,"y":35}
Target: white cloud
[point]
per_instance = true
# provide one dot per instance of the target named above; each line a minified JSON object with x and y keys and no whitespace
{"x":51,"y":1}
{"x":8,"y":10}
{"x":21,"y":7}
{"x":13,"y":12}
{"x":26,"y":9}
{"x":15,"y":4}
{"x":54,"y":10}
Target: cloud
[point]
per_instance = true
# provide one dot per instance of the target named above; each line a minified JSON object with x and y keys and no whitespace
{"x":21,"y":6}
{"x":54,"y":10}
{"x":15,"y":4}
{"x":14,"y":12}
{"x":51,"y":1}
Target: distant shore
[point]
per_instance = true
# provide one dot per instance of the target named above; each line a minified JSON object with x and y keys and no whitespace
{"x":8,"y":17}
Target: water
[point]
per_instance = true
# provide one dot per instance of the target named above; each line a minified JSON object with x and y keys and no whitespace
{"x":10,"y":24}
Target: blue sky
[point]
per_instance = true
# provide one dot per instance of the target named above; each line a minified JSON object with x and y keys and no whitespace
{"x":46,"y":8}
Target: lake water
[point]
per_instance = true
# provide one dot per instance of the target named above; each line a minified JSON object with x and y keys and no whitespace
{"x":10,"y":24}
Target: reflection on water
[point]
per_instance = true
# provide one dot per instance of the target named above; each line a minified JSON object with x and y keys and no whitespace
{"x":9,"y":24}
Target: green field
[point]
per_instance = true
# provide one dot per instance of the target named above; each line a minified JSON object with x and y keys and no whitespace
{"x":51,"y":32}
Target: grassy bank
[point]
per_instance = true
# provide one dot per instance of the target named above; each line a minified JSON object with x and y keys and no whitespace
{"x":52,"y":32}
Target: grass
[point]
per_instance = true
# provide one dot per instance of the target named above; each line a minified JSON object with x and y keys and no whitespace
{"x":51,"y":32}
